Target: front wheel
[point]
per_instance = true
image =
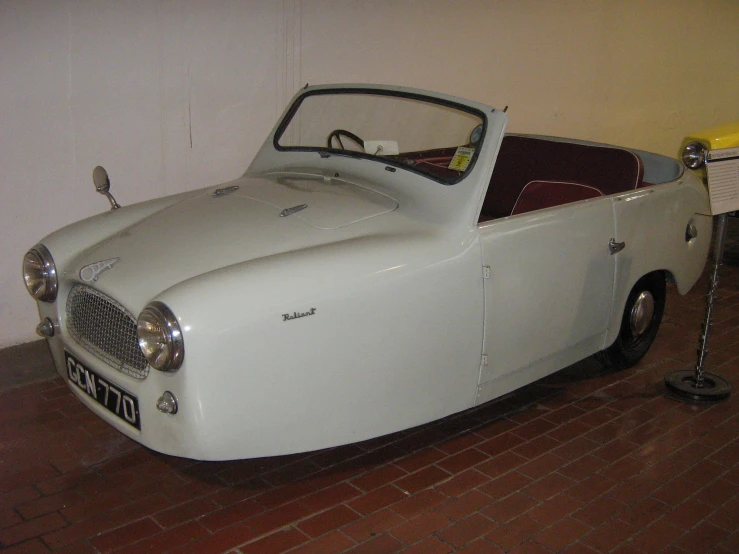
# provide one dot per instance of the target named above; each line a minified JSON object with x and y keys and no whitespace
{"x":639,"y":324}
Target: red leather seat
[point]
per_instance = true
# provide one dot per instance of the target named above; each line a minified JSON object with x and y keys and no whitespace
{"x":523,"y":160}
{"x":538,"y":195}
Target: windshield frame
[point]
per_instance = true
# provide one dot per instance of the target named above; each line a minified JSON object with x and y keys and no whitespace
{"x":388,"y":162}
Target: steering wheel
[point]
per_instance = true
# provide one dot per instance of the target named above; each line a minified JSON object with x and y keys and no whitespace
{"x":337,"y":133}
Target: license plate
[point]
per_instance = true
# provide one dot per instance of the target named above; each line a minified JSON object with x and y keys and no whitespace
{"x":112,"y":397}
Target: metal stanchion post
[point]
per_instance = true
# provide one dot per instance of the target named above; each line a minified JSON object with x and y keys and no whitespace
{"x":696,"y":384}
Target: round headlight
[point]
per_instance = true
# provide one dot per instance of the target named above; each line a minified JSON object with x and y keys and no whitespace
{"x":694,"y":155}
{"x":160,"y":338}
{"x":39,"y":274}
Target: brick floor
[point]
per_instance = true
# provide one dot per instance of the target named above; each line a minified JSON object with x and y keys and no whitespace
{"x":582,"y":461}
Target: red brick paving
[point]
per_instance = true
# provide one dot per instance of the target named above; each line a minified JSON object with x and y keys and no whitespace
{"x":583,"y":461}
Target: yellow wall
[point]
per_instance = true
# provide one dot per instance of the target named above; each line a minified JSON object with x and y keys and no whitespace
{"x":630,"y":72}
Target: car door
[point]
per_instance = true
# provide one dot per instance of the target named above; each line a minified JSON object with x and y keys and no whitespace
{"x":548,"y":292}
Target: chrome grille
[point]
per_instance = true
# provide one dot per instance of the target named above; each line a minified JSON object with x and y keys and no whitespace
{"x":106,"y":329}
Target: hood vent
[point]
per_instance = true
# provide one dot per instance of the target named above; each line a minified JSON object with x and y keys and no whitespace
{"x":295,"y":209}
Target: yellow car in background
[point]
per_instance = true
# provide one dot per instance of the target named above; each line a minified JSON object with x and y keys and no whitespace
{"x":695,"y":147}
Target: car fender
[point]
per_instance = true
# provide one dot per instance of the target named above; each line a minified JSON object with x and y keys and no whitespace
{"x":391,"y":340}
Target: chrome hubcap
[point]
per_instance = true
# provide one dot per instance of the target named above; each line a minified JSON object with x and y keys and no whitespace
{"x":641,"y":313}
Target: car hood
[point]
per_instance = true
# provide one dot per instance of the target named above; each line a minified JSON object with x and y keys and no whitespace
{"x":233,"y":223}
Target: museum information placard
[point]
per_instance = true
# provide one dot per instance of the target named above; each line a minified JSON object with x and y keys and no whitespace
{"x":723,"y":180}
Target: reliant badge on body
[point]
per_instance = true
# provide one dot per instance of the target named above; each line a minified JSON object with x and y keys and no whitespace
{"x":296,"y":315}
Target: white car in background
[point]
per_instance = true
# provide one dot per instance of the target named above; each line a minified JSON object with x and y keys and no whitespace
{"x":390,"y":257}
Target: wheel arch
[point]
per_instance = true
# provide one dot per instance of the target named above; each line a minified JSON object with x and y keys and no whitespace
{"x":621,"y":296}
{"x":638,"y":320}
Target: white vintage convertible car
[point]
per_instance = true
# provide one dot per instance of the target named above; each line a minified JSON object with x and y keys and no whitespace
{"x":390,"y":257}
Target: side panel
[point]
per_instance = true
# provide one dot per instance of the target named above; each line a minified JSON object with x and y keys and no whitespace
{"x":549,"y":292}
{"x":652,"y":222}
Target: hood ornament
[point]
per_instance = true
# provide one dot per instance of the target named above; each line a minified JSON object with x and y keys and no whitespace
{"x":90,"y":272}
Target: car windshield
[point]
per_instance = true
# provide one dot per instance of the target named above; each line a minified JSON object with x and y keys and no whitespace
{"x":419,"y":134}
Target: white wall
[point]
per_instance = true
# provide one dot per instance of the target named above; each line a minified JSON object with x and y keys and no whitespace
{"x":171,"y":95}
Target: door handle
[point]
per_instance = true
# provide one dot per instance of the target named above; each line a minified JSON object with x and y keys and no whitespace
{"x":615,"y":247}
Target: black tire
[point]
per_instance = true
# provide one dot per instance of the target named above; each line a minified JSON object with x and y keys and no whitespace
{"x":637,"y":334}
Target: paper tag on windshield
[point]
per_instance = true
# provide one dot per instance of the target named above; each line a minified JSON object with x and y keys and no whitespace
{"x":461,"y":158}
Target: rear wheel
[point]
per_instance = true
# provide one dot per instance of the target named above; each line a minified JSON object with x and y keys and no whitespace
{"x":639,"y":323}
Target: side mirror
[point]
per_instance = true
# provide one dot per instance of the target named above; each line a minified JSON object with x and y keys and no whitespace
{"x":102,"y":185}
{"x":101,"y":179}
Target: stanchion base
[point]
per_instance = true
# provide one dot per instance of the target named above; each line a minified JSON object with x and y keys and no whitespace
{"x":682,"y":383}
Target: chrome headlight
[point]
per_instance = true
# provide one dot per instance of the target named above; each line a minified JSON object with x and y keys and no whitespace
{"x":39,"y":274}
{"x":694,"y":155}
{"x":160,"y":338}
